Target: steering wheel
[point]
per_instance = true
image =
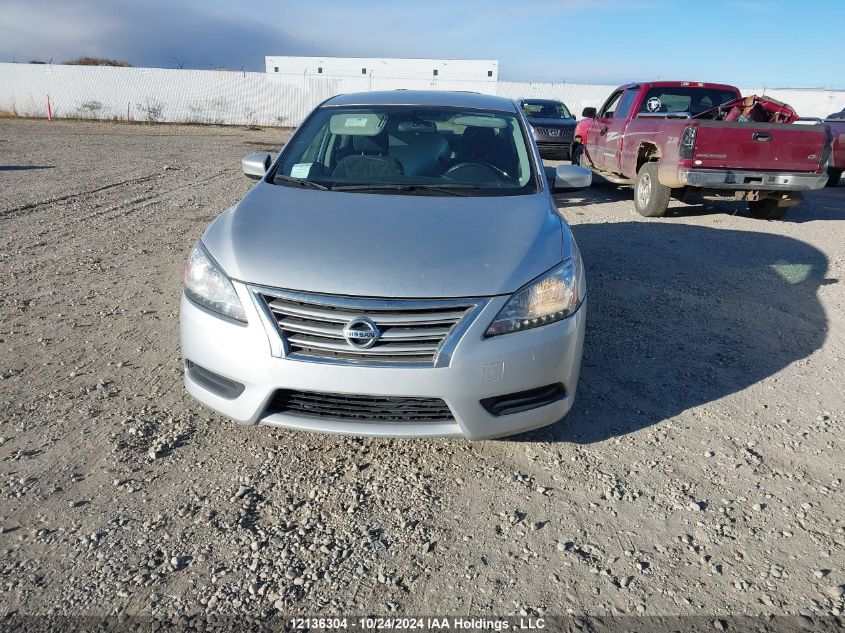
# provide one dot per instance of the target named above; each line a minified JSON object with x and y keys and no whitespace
{"x":474,"y":170}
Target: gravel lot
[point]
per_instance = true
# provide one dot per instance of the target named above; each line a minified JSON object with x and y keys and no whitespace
{"x":700,"y":471}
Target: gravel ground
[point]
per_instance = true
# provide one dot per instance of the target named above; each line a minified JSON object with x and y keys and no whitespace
{"x":698,"y":473}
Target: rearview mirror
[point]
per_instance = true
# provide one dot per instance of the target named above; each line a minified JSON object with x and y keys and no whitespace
{"x":589,"y":113}
{"x":256,"y":165}
{"x":572,"y":177}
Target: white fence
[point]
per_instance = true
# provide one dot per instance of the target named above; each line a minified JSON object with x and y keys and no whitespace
{"x":242,"y":98}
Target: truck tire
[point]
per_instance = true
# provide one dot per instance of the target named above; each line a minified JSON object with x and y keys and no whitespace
{"x":651,"y":199}
{"x":575,"y":153}
{"x":833,"y":176}
{"x":766,"y":209}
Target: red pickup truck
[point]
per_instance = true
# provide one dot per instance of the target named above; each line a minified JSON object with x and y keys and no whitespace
{"x":677,"y":138}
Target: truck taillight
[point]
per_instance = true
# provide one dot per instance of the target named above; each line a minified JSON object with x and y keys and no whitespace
{"x":827,"y":150}
{"x":687,"y":145}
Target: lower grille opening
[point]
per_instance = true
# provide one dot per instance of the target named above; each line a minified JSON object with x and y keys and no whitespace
{"x":358,"y":408}
{"x":215,"y":383}
{"x":562,"y":147}
{"x":524,"y":400}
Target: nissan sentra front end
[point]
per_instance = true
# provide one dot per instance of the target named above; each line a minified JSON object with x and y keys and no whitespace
{"x":437,"y":372}
{"x":391,"y":275}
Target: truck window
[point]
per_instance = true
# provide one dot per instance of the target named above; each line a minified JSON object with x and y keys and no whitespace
{"x":609,"y":106}
{"x":626,"y":103}
{"x":692,"y":99}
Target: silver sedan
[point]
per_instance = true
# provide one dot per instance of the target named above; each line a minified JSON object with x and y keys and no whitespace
{"x":400,"y":269}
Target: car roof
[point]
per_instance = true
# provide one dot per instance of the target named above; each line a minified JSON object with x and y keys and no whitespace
{"x":454,"y":99}
{"x":677,"y":84}
{"x":537,"y":100}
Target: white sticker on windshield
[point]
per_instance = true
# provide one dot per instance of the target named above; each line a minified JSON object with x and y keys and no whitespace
{"x":356,"y":122}
{"x":301,"y":170}
{"x":653,"y":104}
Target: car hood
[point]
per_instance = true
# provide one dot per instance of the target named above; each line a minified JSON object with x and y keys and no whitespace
{"x":380,"y":245}
{"x":553,"y":122}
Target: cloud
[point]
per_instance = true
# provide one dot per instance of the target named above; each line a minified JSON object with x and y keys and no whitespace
{"x":551,"y":39}
{"x":436,"y":28}
{"x":155,"y":33}
{"x":212,"y":33}
{"x":34,"y":33}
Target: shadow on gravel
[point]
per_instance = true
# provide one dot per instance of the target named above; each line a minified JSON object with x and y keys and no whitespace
{"x":683,"y":315}
{"x":24,"y":167}
{"x":824,"y":204}
{"x":607,"y":192}
{"x":602,"y":191}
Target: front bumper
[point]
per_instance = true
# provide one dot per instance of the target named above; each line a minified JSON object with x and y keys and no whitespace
{"x":557,"y":149}
{"x":751,"y":180}
{"x":480,"y":368}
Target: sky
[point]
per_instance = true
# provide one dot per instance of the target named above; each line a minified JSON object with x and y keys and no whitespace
{"x":773,"y":43}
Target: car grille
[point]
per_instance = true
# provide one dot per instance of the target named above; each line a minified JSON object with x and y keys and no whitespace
{"x":386,"y":409}
{"x":549,"y":131}
{"x":557,"y":132}
{"x":410,"y":332}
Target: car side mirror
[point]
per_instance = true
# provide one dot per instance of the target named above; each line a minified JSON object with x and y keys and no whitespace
{"x":256,"y":165}
{"x":589,"y":113}
{"x":572,"y":177}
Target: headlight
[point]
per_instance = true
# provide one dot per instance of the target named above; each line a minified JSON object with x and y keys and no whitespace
{"x":206,"y":284}
{"x":550,"y":298}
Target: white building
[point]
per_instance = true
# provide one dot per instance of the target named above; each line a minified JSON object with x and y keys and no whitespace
{"x":386,"y":67}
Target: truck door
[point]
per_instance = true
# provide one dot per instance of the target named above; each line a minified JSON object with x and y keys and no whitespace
{"x":612,"y":123}
{"x":601,"y":126}
{"x":615,"y":135}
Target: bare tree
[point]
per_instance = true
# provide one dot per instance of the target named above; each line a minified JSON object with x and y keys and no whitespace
{"x":97,"y":61}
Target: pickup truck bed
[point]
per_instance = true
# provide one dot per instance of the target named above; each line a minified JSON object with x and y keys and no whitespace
{"x":637,"y":138}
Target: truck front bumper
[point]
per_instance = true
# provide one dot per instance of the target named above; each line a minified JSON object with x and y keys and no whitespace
{"x":751,"y":180}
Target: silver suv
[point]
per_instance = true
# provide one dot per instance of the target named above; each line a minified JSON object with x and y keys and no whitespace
{"x":400,"y":269}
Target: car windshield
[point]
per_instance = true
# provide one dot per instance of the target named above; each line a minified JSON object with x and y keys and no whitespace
{"x":545,"y":110}
{"x":415,"y":150}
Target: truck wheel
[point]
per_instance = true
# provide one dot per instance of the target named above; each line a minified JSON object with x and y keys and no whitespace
{"x":575,"y":153}
{"x":767,"y":209}
{"x":833,"y":176}
{"x":651,"y":199}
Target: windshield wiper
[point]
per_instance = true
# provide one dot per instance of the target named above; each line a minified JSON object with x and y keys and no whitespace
{"x":300,"y":181}
{"x":451,"y":190}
